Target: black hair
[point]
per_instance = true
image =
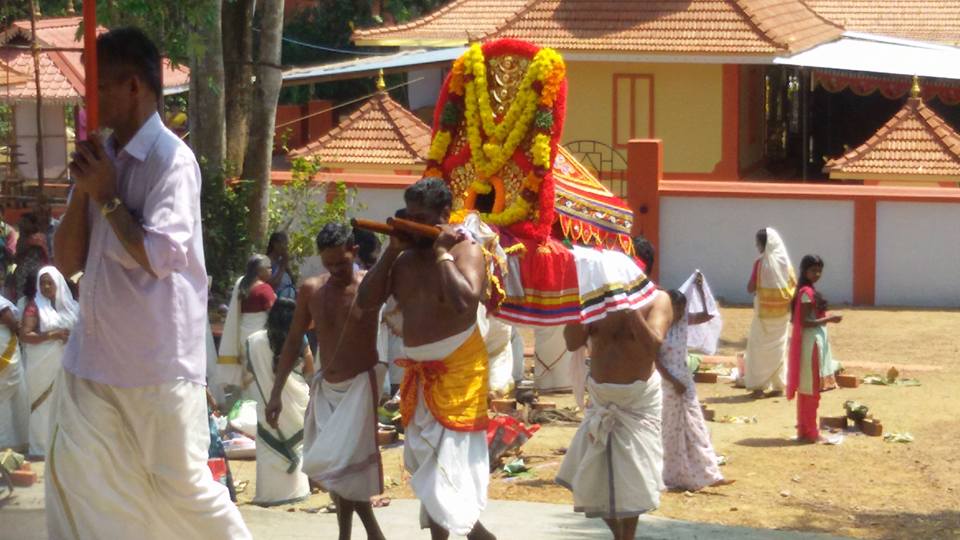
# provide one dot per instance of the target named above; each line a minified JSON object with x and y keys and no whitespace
{"x":367,"y":244}
{"x":644,"y":251}
{"x":431,"y":193}
{"x":254,"y":263}
{"x":335,"y":234}
{"x":276,"y":238}
{"x":30,"y":286}
{"x":677,"y":297}
{"x":278,"y":325}
{"x":806,"y":263}
{"x":129,"y":48}
{"x":762,"y":239}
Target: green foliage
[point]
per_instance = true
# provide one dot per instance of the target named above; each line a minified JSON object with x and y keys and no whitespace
{"x":406,"y":10}
{"x":298,"y":207}
{"x":226,"y":244}
{"x":18,"y":10}
{"x":330,"y":23}
{"x":169,"y":24}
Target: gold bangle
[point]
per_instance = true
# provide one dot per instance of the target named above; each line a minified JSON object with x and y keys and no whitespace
{"x":445,"y":257}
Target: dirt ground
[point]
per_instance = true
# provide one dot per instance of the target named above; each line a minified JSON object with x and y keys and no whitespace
{"x":864,"y":487}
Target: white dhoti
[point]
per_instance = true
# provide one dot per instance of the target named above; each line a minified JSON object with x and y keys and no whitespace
{"x":497,"y":337}
{"x":766,"y":355}
{"x":148,"y":445}
{"x":14,"y":403}
{"x":340,"y":436}
{"x":280,"y":449}
{"x":450,"y":469}
{"x":44,"y":362}
{"x":614,"y":465}
{"x":552,"y":360}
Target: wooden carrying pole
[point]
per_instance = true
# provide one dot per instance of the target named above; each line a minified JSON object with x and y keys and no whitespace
{"x":397,"y":225}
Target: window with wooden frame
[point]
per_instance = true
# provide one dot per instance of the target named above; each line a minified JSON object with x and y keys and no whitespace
{"x":632,"y":107}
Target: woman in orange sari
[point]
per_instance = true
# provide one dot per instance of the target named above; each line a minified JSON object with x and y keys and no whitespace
{"x":810,"y":356}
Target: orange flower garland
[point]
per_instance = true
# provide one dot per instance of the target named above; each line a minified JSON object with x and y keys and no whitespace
{"x":493,"y":143}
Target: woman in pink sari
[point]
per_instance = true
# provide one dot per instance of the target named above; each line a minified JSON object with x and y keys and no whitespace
{"x":809,"y":348}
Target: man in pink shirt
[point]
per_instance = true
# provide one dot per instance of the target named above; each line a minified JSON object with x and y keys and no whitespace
{"x":129,"y":433}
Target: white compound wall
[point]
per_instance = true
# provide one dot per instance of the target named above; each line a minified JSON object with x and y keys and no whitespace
{"x":717,"y":235}
{"x":918,"y":254}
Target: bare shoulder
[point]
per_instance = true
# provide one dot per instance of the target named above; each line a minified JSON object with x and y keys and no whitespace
{"x":661,"y":307}
{"x":312,"y":284}
{"x":467,"y":249}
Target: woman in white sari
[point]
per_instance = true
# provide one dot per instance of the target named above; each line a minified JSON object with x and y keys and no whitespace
{"x":48,"y":318}
{"x":14,"y":408}
{"x":773,"y":282}
{"x":250,"y":302}
{"x":280,"y":479}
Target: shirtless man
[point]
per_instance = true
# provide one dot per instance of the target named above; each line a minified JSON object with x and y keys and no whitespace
{"x":614,"y":468}
{"x":438,"y":286}
{"x":350,"y":469}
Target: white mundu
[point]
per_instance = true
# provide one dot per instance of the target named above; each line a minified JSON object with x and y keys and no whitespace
{"x":14,"y":406}
{"x":167,"y":492}
{"x":551,"y":367}
{"x":450,"y":470}
{"x":340,"y":449}
{"x":279,"y":450}
{"x":614,"y":465}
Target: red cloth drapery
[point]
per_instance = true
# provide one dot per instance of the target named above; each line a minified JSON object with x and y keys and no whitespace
{"x":889,"y":86}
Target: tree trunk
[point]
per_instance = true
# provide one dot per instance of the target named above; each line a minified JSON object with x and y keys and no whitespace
{"x":207,"y":124}
{"x":259,"y":156}
{"x":237,"y":28}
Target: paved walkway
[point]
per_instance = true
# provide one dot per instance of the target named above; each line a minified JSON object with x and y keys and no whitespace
{"x":22,"y":519}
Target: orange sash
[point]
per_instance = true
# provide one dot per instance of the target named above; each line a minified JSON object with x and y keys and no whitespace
{"x":454,"y":388}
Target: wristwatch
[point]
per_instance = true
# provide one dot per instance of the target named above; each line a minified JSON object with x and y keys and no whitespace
{"x":110,"y":206}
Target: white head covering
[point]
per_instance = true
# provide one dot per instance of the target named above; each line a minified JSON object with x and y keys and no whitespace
{"x":775,"y":279}
{"x":64,"y":314}
{"x":7,"y":304}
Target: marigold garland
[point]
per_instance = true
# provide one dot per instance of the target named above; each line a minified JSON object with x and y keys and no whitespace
{"x":438,"y":148}
{"x":493,"y":143}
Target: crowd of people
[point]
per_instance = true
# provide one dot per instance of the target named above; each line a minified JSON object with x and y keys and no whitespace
{"x":38,"y":310}
{"x":118,"y":383}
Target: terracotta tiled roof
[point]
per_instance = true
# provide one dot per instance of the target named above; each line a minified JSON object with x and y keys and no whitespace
{"x":10,"y":76}
{"x":57,"y":66}
{"x":380,"y":132}
{"x":54,"y":83}
{"x":453,"y":24}
{"x":916,"y":141}
{"x":655,"y":26}
{"x":927,"y":20}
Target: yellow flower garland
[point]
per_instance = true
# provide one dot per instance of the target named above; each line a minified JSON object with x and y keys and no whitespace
{"x":469,"y":79}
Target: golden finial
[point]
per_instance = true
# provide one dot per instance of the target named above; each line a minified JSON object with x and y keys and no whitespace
{"x":915,"y":89}
{"x":381,"y":84}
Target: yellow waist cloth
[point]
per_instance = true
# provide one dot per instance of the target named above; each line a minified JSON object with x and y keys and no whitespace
{"x":454,"y":388}
{"x":773,"y":303}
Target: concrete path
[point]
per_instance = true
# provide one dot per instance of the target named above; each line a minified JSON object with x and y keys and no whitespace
{"x":23,"y":519}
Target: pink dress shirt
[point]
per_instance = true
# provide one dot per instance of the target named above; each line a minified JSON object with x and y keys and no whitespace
{"x":136,"y":329}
